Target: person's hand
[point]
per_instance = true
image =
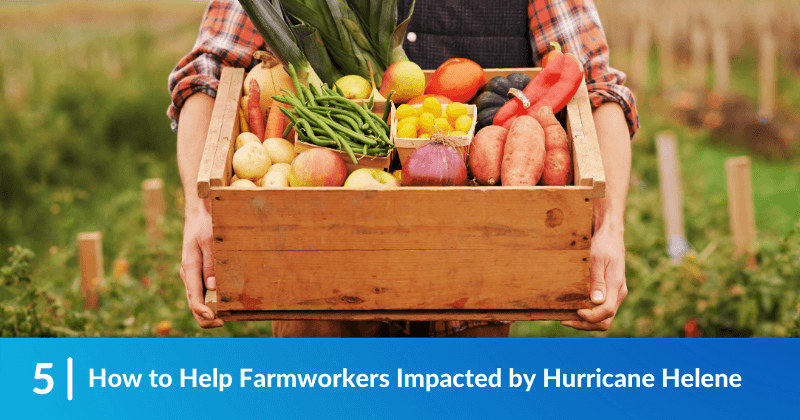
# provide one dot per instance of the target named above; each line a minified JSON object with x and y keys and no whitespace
{"x":608,"y":288}
{"x":197,"y":264}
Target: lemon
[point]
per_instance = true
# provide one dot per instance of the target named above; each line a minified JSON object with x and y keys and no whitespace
{"x":455,"y":110}
{"x":463,"y":123}
{"x":442,"y":125}
{"x":355,"y":87}
{"x":407,"y":131}
{"x":405,"y":111}
{"x":432,"y":106}
{"x":409,"y":120}
{"x":426,"y":121}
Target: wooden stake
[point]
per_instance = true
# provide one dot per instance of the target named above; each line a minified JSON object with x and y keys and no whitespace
{"x":90,"y":251}
{"x":767,"y":77}
{"x":740,"y":207}
{"x":721,"y":58}
{"x":699,"y":59}
{"x":672,"y":201}
{"x":154,"y":208}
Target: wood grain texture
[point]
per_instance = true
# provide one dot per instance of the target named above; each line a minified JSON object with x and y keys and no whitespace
{"x":212,"y":138}
{"x":90,"y":256}
{"x":154,"y":208}
{"x":221,"y":166}
{"x":461,"y":315}
{"x":586,"y":149}
{"x":740,"y":205}
{"x":402,"y":280}
{"x":403,"y":218}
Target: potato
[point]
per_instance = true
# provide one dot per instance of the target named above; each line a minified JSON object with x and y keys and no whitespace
{"x":275,"y":179}
{"x":279,"y":150}
{"x":245,"y":138}
{"x":486,"y":154}
{"x":243,"y":183}
{"x":251,"y":161}
{"x":557,"y":168}
{"x":285,"y":168}
{"x":523,"y":155}
{"x":554,"y":135}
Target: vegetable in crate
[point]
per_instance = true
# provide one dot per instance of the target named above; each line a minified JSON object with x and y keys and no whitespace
{"x":495,"y":95}
{"x":271,"y":77}
{"x":486,"y":154}
{"x":457,"y":78}
{"x":554,"y":86}
{"x":523,"y":155}
{"x":558,"y":160}
{"x":435,"y":164}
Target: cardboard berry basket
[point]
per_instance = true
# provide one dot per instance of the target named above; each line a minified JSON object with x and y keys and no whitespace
{"x":405,"y":145}
{"x":364,"y":161}
{"x":411,"y":253}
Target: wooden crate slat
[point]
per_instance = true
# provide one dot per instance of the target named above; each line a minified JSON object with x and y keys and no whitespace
{"x":586,"y":157}
{"x":402,"y":279}
{"x":221,"y":166}
{"x":212,"y":139}
{"x":461,"y":315}
{"x":407,"y":218}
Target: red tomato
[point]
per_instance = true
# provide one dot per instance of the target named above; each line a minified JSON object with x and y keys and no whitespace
{"x":418,"y":100}
{"x":458,"y":79}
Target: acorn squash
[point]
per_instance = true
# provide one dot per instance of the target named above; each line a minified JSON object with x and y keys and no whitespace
{"x":495,"y":93}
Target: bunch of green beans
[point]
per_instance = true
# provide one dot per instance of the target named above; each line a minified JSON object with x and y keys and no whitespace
{"x":325,"y":117}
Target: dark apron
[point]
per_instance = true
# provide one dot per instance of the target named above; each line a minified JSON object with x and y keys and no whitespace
{"x":493,"y":33}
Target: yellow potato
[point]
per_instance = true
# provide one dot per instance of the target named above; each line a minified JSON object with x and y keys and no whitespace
{"x":279,"y":150}
{"x":284,"y":168}
{"x":275,"y":179}
{"x":251,"y":161}
{"x":243,"y":183}
{"x":245,"y":138}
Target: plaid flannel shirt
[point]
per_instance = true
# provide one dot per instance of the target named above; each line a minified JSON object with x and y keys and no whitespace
{"x":227,"y":37}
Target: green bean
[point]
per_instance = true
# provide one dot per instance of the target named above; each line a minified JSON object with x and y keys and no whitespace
{"x":295,"y":81}
{"x":288,"y":129}
{"x":311,"y":136}
{"x":364,"y":114}
{"x":371,"y":101}
{"x":332,"y":124}
{"x":309,"y":95}
{"x":350,"y":121}
{"x":322,"y":123}
{"x":338,"y":89}
{"x":386,"y":109}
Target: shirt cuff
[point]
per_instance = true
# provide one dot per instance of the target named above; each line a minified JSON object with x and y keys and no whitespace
{"x":602,"y":92}
{"x":187,"y":87}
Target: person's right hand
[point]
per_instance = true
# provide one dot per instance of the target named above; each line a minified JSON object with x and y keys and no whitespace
{"x":197,"y":264}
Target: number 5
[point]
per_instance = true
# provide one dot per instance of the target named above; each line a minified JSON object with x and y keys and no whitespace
{"x":46,"y":377}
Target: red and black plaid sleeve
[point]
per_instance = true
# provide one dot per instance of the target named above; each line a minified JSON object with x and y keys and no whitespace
{"x":226,"y":38}
{"x":575,"y":25}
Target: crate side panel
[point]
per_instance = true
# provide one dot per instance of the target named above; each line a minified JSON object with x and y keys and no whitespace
{"x":402,"y":280}
{"x":405,"y":218}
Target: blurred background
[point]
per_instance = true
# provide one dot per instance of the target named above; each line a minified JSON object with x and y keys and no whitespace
{"x":83,"y":127}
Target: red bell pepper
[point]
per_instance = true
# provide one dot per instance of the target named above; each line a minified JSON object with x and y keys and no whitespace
{"x":554,"y":86}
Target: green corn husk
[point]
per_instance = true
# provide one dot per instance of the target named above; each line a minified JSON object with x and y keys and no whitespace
{"x":315,"y":52}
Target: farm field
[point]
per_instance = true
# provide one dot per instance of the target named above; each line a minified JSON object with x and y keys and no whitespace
{"x":83,"y":99}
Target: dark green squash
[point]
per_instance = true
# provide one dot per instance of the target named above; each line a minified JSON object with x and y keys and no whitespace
{"x":495,"y":93}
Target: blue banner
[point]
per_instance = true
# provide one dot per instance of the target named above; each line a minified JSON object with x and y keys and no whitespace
{"x":399,"y":378}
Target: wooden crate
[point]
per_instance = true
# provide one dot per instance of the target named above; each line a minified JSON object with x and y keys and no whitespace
{"x":413,"y":253}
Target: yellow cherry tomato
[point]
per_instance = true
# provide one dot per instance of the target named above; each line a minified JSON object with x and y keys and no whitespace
{"x":406,"y":131}
{"x":457,"y":133}
{"x":426,"y":121}
{"x":432,"y":106}
{"x":404,"y":111}
{"x":441,"y":125}
{"x":409,"y":120}
{"x":463,"y":123}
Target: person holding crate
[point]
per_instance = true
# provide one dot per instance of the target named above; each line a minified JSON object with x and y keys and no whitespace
{"x":440,"y":30}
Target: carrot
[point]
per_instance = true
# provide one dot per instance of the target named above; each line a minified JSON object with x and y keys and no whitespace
{"x":243,"y":125}
{"x":275,"y":122}
{"x":254,"y":110}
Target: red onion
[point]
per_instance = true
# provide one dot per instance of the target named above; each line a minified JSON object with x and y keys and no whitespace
{"x":435,"y":164}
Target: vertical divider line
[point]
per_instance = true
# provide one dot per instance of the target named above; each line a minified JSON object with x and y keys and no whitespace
{"x":69,"y":379}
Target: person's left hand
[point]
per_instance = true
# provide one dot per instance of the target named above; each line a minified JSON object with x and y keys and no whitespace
{"x":608,"y":288}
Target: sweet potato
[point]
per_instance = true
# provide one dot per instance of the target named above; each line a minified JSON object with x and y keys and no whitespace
{"x":554,"y":135}
{"x":523,"y":155}
{"x":486,"y":154}
{"x":558,"y":160}
{"x":557,"y":168}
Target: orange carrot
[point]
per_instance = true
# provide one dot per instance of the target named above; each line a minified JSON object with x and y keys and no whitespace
{"x":275,"y":123}
{"x":254,"y":110}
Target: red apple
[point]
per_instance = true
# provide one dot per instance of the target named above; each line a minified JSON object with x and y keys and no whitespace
{"x":317,"y":167}
{"x":369,"y":178}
